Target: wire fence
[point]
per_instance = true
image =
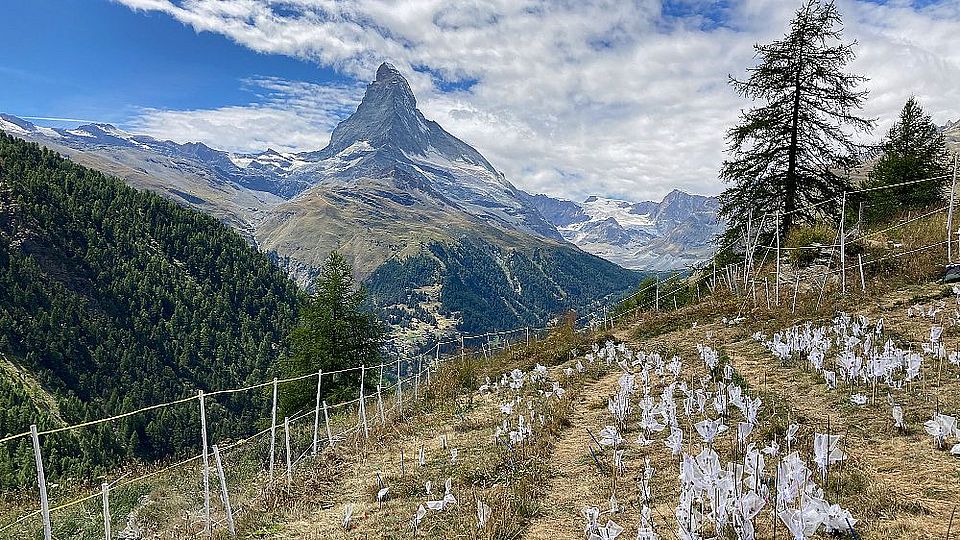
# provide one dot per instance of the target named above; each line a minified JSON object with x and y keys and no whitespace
{"x":286,"y":442}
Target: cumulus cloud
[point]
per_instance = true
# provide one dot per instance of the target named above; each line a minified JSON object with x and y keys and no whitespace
{"x":569,"y":98}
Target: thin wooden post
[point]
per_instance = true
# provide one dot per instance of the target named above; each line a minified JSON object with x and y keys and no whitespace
{"x":953,"y":190}
{"x":528,"y":336}
{"x":273,"y":428}
{"x":286,"y":438}
{"x":383,"y":417}
{"x":207,"y":528}
{"x":416,"y":381}
{"x":657,"y":292}
{"x":766,"y":290}
{"x":326,"y":420}
{"x":363,"y":404}
{"x":105,"y":495}
{"x":713,"y":285}
{"x":42,"y":484}
{"x":796,"y":290}
{"x":224,"y":493}
{"x":316,"y":413}
{"x":843,"y":245}
{"x":863,"y":281}
{"x":746,"y":252}
{"x":399,"y":388}
{"x":777,"y":284}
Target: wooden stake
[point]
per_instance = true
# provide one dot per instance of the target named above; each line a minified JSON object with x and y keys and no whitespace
{"x":843,"y":245}
{"x":326,"y":420}
{"x":207,"y":527}
{"x":42,"y":484}
{"x":105,"y":494}
{"x":273,"y":428}
{"x":953,"y":190}
{"x":286,"y":438}
{"x":863,"y":282}
{"x":224,"y":493}
{"x":316,"y":413}
{"x":363,"y":405}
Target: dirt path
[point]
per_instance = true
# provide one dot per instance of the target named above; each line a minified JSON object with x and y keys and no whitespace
{"x":575,"y":482}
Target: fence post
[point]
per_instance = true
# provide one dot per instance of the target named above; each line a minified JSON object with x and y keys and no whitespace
{"x":657,"y":293}
{"x":105,"y":494}
{"x":286,"y":438}
{"x":953,"y":190}
{"x":207,"y":529}
{"x":316,"y":413}
{"x":326,"y":420}
{"x":363,"y":404}
{"x":42,"y":483}
{"x":273,"y":428}
{"x":796,"y":290}
{"x":843,"y":242}
{"x":863,"y":282}
{"x":776,"y":286}
{"x":223,"y":491}
{"x":383,"y":417}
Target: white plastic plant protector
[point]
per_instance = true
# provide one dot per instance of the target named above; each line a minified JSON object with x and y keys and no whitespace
{"x":674,"y":441}
{"x":609,"y":436}
{"x":645,"y":531}
{"x":418,"y":517}
{"x":382,"y":496}
{"x":591,"y":514}
{"x":422,"y":457}
{"x":826,"y":451}
{"x":940,"y":427}
{"x":610,"y":531}
{"x":347,"y":516}
{"x":858,"y":399}
{"x":483,"y":514}
{"x":708,"y":429}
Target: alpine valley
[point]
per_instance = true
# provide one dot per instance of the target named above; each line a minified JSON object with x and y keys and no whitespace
{"x":442,"y":239}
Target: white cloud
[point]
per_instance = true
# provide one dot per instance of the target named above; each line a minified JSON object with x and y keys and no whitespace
{"x":569,"y":97}
{"x":285,"y":116}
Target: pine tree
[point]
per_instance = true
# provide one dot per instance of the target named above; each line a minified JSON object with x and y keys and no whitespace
{"x":793,"y":150}
{"x":337,"y":330}
{"x":914,"y":149}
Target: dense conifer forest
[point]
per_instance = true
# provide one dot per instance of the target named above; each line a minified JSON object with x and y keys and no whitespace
{"x":112,"y":299}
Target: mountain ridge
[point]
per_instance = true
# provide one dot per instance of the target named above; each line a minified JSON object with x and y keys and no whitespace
{"x":390,"y":186}
{"x":672,"y":234}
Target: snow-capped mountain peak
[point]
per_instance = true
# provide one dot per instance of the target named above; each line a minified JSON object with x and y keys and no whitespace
{"x":671,"y":234}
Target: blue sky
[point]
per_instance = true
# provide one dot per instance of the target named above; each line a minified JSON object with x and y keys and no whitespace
{"x":623,"y":98}
{"x":98,"y":60}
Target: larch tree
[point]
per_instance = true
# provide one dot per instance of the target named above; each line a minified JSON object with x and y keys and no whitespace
{"x":793,"y":150}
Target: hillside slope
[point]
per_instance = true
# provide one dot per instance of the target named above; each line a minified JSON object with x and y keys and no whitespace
{"x":112,"y":299}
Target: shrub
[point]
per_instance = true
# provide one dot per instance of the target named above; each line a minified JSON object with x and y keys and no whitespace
{"x":800,"y":241}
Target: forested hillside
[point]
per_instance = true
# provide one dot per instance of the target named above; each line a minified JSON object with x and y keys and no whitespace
{"x":491,"y":288}
{"x":112,"y":299}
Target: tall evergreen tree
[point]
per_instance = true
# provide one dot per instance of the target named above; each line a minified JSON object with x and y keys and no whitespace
{"x":337,"y":330}
{"x":793,"y":150}
{"x":914,"y":149}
